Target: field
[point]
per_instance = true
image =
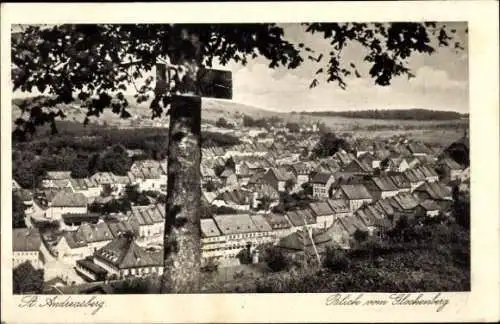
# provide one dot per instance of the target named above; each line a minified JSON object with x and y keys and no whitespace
{"x":438,"y":132}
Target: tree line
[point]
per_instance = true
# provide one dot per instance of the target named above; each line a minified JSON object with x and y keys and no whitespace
{"x":84,"y":151}
{"x":392,"y":114}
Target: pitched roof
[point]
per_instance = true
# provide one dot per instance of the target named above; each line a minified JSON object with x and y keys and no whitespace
{"x":301,"y":217}
{"x":94,"y":232}
{"x":146,"y":215}
{"x":235,"y":224}
{"x":435,"y":190}
{"x":119,"y":227}
{"x":58,"y":175}
{"x":403,"y":201}
{"x":24,"y":239}
{"x":355,"y":191}
{"x":261,"y":223}
{"x":430,"y":205}
{"x":351,"y":224}
{"x":361,"y":165}
{"x":209,"y":228}
{"x":321,"y":178}
{"x":299,"y":240}
{"x":400,"y":181}
{"x":384,"y":183}
{"x":321,"y":208}
{"x":277,"y":221}
{"x":123,"y":253}
{"x":69,"y":199}
{"x":74,"y":241}
{"x":450,"y":163}
{"x":339,"y":205}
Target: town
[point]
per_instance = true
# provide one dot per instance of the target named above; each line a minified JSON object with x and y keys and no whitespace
{"x":294,"y":186}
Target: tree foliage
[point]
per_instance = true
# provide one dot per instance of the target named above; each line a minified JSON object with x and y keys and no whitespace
{"x":27,"y":280}
{"x":391,"y":114}
{"x":329,"y":144}
{"x":18,"y":211}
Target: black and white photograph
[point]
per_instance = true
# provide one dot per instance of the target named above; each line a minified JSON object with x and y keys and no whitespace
{"x":240,"y":158}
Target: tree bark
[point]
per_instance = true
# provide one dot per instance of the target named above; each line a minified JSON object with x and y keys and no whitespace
{"x":182,"y":251}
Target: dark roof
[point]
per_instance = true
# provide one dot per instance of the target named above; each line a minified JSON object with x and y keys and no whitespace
{"x":339,"y":205}
{"x":321,"y":178}
{"x":69,"y":199}
{"x":124,"y":253}
{"x":91,"y":266}
{"x":321,"y":208}
{"x":277,"y":221}
{"x":299,"y":240}
{"x":24,"y":239}
{"x":297,"y":217}
{"x":384,"y":183}
{"x":355,"y":191}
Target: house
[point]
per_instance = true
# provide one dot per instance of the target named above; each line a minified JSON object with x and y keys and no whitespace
{"x":450,"y":169}
{"x":239,"y":231}
{"x":85,"y":186}
{"x":103,"y":179}
{"x":356,"y":195}
{"x":395,"y":164}
{"x":278,"y":178}
{"x":71,"y":222}
{"x":459,"y":150}
{"x":148,"y":221}
{"x":434,"y":191}
{"x":375,"y":221}
{"x":381,"y":187}
{"x":400,"y":181}
{"x":321,"y":183}
{"x":56,"y":179}
{"x":95,"y":235}
{"x":119,"y":227}
{"x":418,"y":149}
{"x":265,"y":232}
{"x":323,"y":213}
{"x":340,"y":208}
{"x":229,"y":178}
{"x":212,"y":241}
{"x":238,"y":199}
{"x":279,"y":225}
{"x":308,"y":241}
{"x":429,"y":173}
{"x":26,"y":247}
{"x":415,"y":177}
{"x":428,"y":208}
{"x":370,"y":160}
{"x":64,"y":202}
{"x":356,"y":167}
{"x":207,"y":174}
{"x":300,"y":218}
{"x":343,"y":229}
{"x":122,"y":258}
{"x":71,"y":247}
{"x":404,"y":204}
{"x":301,"y":171}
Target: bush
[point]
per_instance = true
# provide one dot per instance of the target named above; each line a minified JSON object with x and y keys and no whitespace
{"x":336,"y":260}
{"x":276,"y":259}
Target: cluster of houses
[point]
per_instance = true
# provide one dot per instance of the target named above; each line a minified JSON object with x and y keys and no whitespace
{"x":366,"y":190}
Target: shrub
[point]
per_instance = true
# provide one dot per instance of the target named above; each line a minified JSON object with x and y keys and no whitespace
{"x":276,"y":259}
{"x":336,"y":260}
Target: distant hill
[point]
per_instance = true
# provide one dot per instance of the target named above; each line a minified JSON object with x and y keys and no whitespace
{"x":212,"y":109}
{"x":392,"y":114}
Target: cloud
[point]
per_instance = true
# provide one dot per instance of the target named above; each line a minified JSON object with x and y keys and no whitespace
{"x":430,"y":78}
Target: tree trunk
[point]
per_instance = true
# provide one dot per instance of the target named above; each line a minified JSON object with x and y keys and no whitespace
{"x":182,"y":251}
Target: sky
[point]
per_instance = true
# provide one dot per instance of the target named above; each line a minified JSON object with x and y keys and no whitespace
{"x":441,"y":81}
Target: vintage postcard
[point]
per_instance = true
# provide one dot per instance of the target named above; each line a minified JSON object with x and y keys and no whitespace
{"x":223,"y":162}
